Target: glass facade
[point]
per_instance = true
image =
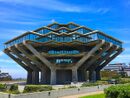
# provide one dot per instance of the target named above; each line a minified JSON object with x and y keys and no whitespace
{"x":83,"y":31}
{"x":63,"y":30}
{"x":63,"y":61}
{"x":63,"y":52}
{"x":83,"y":37}
{"x":43,"y":31}
{"x":71,"y":26}
{"x":55,"y":26}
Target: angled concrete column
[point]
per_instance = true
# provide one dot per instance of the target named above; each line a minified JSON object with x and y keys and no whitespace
{"x":53,"y":77}
{"x":91,"y":64}
{"x":38,"y":55}
{"x":74,"y":75}
{"x":84,"y":58}
{"x":29,"y":77}
{"x":35,"y":77}
{"x":107,"y":55}
{"x":30,"y":57}
{"x":109,"y":59}
{"x":18,"y":61}
{"x":24,"y":59}
{"x":27,"y":62}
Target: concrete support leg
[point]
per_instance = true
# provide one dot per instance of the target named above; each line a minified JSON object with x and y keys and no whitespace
{"x":29,"y":77}
{"x":43,"y":77}
{"x":84,"y":75}
{"x":98,"y":76}
{"x":92,"y":76}
{"x":35,"y":76}
{"x":74,"y":75}
{"x":53,"y":77}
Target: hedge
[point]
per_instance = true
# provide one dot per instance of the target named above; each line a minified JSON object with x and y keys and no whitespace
{"x":89,"y":84}
{"x":118,"y":91}
{"x":36,"y":88}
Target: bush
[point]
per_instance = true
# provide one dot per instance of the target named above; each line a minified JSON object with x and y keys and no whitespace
{"x":67,"y":87}
{"x":72,"y":86}
{"x":102,"y":82}
{"x":124,"y":80}
{"x":36,"y":88}
{"x":119,"y":91}
{"x":89,"y":84}
{"x":3,"y":87}
{"x":14,"y":89}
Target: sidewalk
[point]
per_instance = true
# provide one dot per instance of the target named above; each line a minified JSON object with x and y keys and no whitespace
{"x":84,"y":94}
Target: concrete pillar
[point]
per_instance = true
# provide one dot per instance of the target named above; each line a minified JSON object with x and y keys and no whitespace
{"x":92,"y":76}
{"x":98,"y":76}
{"x":53,"y":77}
{"x":35,"y":77}
{"x":74,"y":75}
{"x":84,"y":75}
{"x":29,"y":77}
{"x":43,"y":77}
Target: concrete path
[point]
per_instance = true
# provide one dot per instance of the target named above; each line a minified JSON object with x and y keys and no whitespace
{"x":84,"y":94}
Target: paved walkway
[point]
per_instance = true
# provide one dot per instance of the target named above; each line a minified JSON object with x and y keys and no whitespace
{"x":80,"y":95}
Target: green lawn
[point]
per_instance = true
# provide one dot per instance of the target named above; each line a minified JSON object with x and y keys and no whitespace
{"x":95,"y":96}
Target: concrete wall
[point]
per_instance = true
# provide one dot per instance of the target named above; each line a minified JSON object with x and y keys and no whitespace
{"x":54,"y":93}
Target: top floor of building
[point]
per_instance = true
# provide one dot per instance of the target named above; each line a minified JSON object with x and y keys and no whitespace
{"x":63,"y":33}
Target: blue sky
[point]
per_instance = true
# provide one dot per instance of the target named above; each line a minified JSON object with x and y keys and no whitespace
{"x":19,"y":16}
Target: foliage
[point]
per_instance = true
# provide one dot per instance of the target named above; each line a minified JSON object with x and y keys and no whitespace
{"x":89,"y":84}
{"x":72,"y":87}
{"x":36,"y":88}
{"x":109,"y":74}
{"x":124,"y":80}
{"x":94,"y":96}
{"x":3,"y":87}
{"x":67,"y":87}
{"x":118,"y":91}
{"x":13,"y":89}
{"x":102,"y":82}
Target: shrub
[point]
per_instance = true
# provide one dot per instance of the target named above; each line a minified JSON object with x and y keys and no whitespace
{"x":102,"y":82}
{"x":89,"y":84}
{"x":13,"y":89}
{"x":118,"y":91}
{"x":36,"y":88}
{"x":124,"y":80}
{"x":72,"y":87}
{"x":3,"y":87}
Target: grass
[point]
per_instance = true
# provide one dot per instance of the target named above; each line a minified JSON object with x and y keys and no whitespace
{"x":94,"y":96}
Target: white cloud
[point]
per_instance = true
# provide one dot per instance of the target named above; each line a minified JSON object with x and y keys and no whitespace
{"x":59,"y":6}
{"x":10,"y":33}
{"x":1,"y":53}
